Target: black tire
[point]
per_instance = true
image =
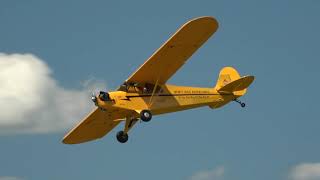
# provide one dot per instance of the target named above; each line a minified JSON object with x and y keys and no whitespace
{"x":122,"y":137}
{"x":243,"y":105}
{"x":145,"y":115}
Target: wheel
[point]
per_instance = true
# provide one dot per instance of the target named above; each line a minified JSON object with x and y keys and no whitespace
{"x":145,"y":115}
{"x":122,"y":137}
{"x":243,"y":105}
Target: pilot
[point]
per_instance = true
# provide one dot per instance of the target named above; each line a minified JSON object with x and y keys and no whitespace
{"x":145,"y":90}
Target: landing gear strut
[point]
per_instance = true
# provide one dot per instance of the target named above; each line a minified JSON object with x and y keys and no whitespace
{"x":122,"y":137}
{"x":241,"y":103}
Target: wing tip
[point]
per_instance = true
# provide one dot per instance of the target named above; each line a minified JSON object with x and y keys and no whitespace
{"x":70,"y":141}
{"x":66,"y":140}
{"x":211,"y":20}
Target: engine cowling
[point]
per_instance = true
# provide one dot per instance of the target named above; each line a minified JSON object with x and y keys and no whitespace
{"x":104,"y":96}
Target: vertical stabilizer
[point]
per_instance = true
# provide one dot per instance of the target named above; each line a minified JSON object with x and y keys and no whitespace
{"x":227,"y":75}
{"x":229,"y":81}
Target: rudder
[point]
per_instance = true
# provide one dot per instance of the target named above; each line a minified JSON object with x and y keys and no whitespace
{"x":226,"y":75}
{"x":229,"y":81}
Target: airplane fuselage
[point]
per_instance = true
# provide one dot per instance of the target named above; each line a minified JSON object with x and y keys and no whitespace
{"x":166,"y":99}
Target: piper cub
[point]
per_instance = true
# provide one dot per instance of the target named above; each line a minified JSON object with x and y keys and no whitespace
{"x":145,"y":93}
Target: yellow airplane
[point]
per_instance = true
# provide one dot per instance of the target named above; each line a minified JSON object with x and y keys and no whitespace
{"x":145,"y":93}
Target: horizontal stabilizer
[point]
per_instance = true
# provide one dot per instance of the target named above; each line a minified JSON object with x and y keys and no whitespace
{"x":237,"y":85}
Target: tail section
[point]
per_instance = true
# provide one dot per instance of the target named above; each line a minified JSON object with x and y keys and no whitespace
{"x":227,"y":74}
{"x":238,"y":85}
{"x":229,"y":81}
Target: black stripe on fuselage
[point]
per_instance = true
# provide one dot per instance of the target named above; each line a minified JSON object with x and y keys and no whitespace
{"x":149,"y":95}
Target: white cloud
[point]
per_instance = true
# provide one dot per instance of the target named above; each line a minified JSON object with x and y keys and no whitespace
{"x":31,"y":101}
{"x":9,"y":178}
{"x":305,"y":171}
{"x":213,"y":174}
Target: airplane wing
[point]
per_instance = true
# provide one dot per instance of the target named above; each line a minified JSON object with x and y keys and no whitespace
{"x":96,"y":125}
{"x":175,"y":52}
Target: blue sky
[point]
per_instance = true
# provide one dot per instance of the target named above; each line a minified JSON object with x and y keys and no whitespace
{"x":275,"y":136}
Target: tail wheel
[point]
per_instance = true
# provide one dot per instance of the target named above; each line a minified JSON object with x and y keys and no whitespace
{"x":242,"y":104}
{"x":145,"y":115}
{"x":122,"y":137}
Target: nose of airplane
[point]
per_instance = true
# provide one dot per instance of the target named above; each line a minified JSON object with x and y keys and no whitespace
{"x":104,"y":96}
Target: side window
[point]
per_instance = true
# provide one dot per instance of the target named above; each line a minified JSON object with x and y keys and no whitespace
{"x":149,"y":88}
{"x":146,"y":88}
{"x":123,"y":87}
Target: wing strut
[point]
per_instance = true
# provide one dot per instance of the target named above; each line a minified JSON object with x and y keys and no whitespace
{"x":153,"y":92}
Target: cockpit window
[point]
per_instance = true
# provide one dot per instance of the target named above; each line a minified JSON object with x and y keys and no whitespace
{"x":145,"y":88}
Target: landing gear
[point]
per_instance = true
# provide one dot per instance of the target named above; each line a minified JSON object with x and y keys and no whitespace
{"x":242,"y":104}
{"x":145,"y":115}
{"x":122,"y":137}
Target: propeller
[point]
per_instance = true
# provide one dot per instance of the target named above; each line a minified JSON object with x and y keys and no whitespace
{"x":94,"y":98}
